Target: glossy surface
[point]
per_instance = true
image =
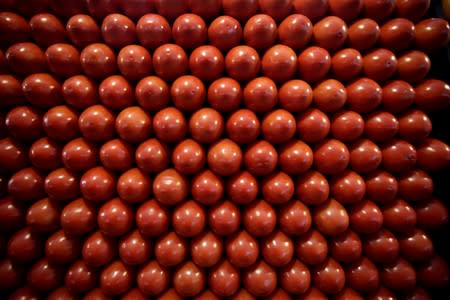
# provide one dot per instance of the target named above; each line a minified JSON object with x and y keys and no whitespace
{"x":415,"y":186}
{"x":224,"y":94}
{"x":25,"y":246}
{"x":152,"y":278}
{"x":189,"y":31}
{"x":47,"y":29}
{"x":189,"y":280}
{"x":11,"y":90}
{"x":152,"y":156}
{"x":188,"y":93}
{"x":259,"y":218}
{"x":260,"y":279}
{"x":82,"y":30}
{"x":277,"y":188}
{"x":169,"y":61}
{"x":276,"y":59}
{"x":79,"y":154}
{"x":42,"y":90}
{"x":207,"y":63}
{"x":80,"y":91}
{"x":152,"y":93}
{"x":399,"y":216}
{"x":312,"y":187}
{"x":278,"y":126}
{"x":44,"y":277}
{"x":347,"y":187}
{"x":295,"y":277}
{"x":379,"y":64}
{"x":170,"y":249}
{"x":397,"y":34}
{"x":206,"y":250}
{"x":413,"y":66}
{"x":61,"y":123}
{"x":365,"y":217}
{"x":153,"y":30}
{"x":169,"y":125}
{"x":329,"y":95}
{"x":242,"y":63}
{"x":98,"y":61}
{"x":96,"y":123}
{"x":277,"y":249}
{"x":116,"y":155}
{"x":363,"y":34}
{"x":346,"y":126}
{"x":242,"y":250}
{"x":134,"y":62}
{"x":416,"y":246}
{"x":346,"y":64}
{"x":170,"y":187}
{"x":97,"y":184}
{"x":134,"y":186}
{"x":80,"y":278}
{"x":365,"y":156}
{"x":331,"y":218}
{"x":242,"y":187}
{"x":236,"y":149}
{"x":115,"y":92}
{"x":61,"y":248}
{"x":314,"y":63}
{"x":295,"y":95}
{"x":413,"y":10}
{"x":26,"y":58}
{"x":78,"y":217}
{"x":207,"y":188}
{"x":152,"y":219}
{"x":14,"y":28}
{"x":362,"y":275}
{"x":115,"y":217}
{"x":363,"y":95}
{"x":13,"y":214}
{"x":224,"y":218}
{"x":399,"y":275}
{"x":118,"y":30}
{"x":314,"y":10}
{"x":24,"y":123}
{"x":133,"y":124}
{"x":224,"y":157}
{"x":331,"y":157}
{"x":330,"y":32}
{"x":329,"y":276}
{"x":188,"y":219}
{"x":431,"y":33}
{"x":432,"y":95}
{"x":260,"y":31}
{"x":313,"y":125}
{"x":399,"y":156}
{"x":115,"y":279}
{"x":13,"y":154}
{"x":224,"y":32}
{"x":63,"y":59}
{"x":346,"y":247}
{"x":43,"y":216}
{"x":224,"y":279}
{"x":27,"y":185}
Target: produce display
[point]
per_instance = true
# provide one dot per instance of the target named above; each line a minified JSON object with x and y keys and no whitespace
{"x":221,"y":149}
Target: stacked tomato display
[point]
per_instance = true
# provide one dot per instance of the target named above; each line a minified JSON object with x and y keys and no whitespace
{"x":214,"y":149}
